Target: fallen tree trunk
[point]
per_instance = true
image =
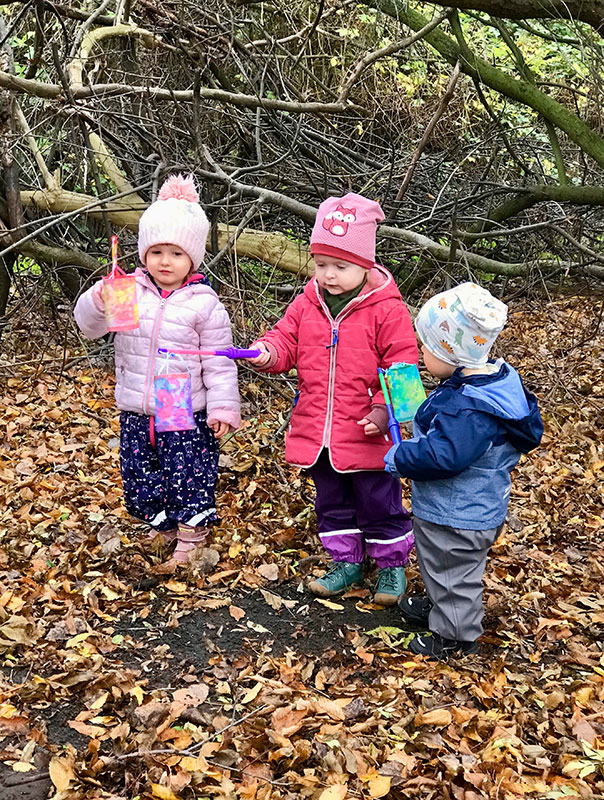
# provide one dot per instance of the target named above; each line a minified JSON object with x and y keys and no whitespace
{"x":272,"y":248}
{"x":279,"y":251}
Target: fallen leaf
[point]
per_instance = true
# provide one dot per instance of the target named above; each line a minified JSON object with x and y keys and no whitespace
{"x":555,"y":699}
{"x":333,"y":708}
{"x":583,"y":731}
{"x":252,"y":693}
{"x":17,"y":726}
{"x":109,"y":539}
{"x":287,"y":720}
{"x":369,"y":607}
{"x":257,"y":627}
{"x":163,"y":792}
{"x":93,"y":731}
{"x":273,"y":600}
{"x":18,"y":630}
{"x":234,"y":550}
{"x":193,"y":695}
{"x":220,"y":576}
{"x":100,"y":701}
{"x":23,"y":766}
{"x":212,"y":603}
{"x":379,"y":785}
{"x":150,"y":714}
{"x":138,"y":692}
{"x":337,"y":792}
{"x":362,"y":593}
{"x":364,"y":655}
{"x":269,"y":571}
{"x":438,"y":717}
{"x":329,"y":604}
{"x":78,"y":639}
{"x":236,"y":612}
{"x":178,"y":587}
{"x":61,"y":773}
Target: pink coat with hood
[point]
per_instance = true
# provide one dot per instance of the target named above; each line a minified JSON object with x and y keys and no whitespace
{"x":189,"y":318}
{"x":337,"y":366}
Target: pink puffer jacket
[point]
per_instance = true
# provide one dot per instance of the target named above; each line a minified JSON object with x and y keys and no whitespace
{"x":337,"y":368}
{"x":190,"y":318}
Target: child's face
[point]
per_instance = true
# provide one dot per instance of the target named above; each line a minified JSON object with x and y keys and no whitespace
{"x":440,"y":369}
{"x":168,"y":265}
{"x":336,"y":275}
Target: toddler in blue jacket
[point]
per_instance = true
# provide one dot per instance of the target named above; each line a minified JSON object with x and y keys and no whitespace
{"x":467,"y":438}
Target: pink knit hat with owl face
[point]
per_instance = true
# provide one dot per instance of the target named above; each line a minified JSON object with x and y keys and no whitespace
{"x":175,"y":218}
{"x":345,"y":228}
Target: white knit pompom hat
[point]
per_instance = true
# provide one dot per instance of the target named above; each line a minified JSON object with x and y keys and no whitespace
{"x":175,"y":218}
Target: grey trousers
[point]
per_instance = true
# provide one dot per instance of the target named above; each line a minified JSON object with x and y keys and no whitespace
{"x":452,"y":563}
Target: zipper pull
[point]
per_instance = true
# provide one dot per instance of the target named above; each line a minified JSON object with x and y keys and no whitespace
{"x":334,"y":339}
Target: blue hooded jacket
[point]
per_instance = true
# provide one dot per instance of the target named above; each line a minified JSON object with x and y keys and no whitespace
{"x":468,"y":437}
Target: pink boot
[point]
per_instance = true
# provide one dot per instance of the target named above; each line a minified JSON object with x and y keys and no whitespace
{"x":188,"y":539}
{"x":167,"y":536}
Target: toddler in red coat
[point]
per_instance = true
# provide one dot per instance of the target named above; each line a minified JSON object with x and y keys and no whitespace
{"x":349,"y":320}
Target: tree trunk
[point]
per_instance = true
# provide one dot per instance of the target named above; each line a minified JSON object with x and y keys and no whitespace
{"x":591,"y":12}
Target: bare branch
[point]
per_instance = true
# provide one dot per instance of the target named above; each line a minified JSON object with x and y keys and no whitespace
{"x":590,"y":11}
{"x":388,"y":50}
{"x":86,"y":25}
{"x":444,"y":102}
{"x":76,"y":67}
{"x":53,"y":91}
{"x":49,"y":179}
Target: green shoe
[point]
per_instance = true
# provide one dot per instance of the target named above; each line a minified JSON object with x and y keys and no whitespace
{"x":391,"y":585}
{"x":340,"y":577}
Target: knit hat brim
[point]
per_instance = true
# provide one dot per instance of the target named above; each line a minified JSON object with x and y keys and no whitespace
{"x":318,"y":249}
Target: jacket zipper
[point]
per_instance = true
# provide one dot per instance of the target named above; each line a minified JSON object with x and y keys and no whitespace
{"x":333,"y":347}
{"x":152,"y":353}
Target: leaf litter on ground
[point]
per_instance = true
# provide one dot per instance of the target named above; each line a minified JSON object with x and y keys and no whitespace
{"x":224,"y":680}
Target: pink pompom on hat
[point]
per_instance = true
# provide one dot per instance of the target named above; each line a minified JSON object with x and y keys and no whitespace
{"x":345,"y":228}
{"x":175,"y":218}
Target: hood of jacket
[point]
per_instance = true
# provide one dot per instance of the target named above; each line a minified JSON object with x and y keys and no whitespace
{"x":502,"y":395}
{"x":195,"y":281}
{"x":379,"y":286}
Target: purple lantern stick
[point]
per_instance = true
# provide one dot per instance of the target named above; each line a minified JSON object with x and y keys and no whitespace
{"x":229,"y":352}
{"x":393,"y":427}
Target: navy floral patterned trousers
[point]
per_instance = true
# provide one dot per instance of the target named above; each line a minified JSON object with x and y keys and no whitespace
{"x":175,"y":480}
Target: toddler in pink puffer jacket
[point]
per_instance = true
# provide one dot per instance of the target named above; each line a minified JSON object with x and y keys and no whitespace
{"x":169,"y":477}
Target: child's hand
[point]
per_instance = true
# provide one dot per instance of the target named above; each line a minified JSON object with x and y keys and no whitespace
{"x":371,"y":429}
{"x":219,"y":428}
{"x":97,"y":295}
{"x":263,"y":358}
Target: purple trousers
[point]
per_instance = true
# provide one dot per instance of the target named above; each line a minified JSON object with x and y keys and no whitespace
{"x":361,"y":513}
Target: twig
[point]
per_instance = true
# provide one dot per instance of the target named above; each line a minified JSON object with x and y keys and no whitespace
{"x":84,"y":27}
{"x":504,"y":232}
{"x":89,"y":413}
{"x":251,"y":212}
{"x":47,"y":176}
{"x":388,"y":50}
{"x":197,"y":746}
{"x":103,"y":201}
{"x":444,"y":102}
